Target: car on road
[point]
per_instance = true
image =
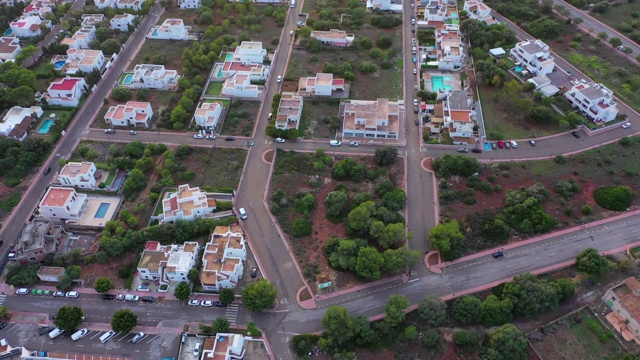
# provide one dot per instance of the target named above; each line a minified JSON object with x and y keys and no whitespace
{"x":416,"y":110}
{"x":415,"y":71}
{"x":219,"y":304}
{"x":532,"y":142}
{"x":12,"y":255}
{"x":621,"y":48}
{"x":507,"y":145}
{"x":335,"y":143}
{"x":131,"y":297}
{"x":210,"y":137}
{"x":514,"y":144}
{"x":476,"y":150}
{"x":415,"y":60}
{"x":354,"y":144}
{"x":3,"y":325}
{"x":22,"y":291}
{"x":417,"y":122}
{"x":207,"y":303}
{"x":279,"y":79}
{"x":575,"y":134}
{"x":413,"y":41}
{"x":59,"y":294}
{"x":300,"y":23}
{"x":462,"y":150}
{"x":494,"y":146}
{"x":149,"y":299}
{"x":72,"y":294}
{"x":280,"y":140}
{"x":249,"y":143}
{"x":108,"y":297}
{"x":47,"y":170}
{"x":110,"y":131}
{"x":254,"y":272}
{"x":120,"y":297}
{"x":229,"y":138}
{"x":138,"y":337}
{"x":415,"y":102}
{"x":497,"y":254}
{"x":270,"y":116}
{"x":45,"y":330}
{"x":291,"y":33}
{"x":198,"y":136}
{"x":133,"y":132}
{"x":626,"y":125}
{"x":569,"y":72}
{"x":194,"y":302}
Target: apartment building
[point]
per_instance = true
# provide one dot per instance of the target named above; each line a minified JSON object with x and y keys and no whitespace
{"x":593,"y":100}
{"x":61,"y":203}
{"x":378,"y":119}
{"x":320,"y":85}
{"x":78,"y":174}
{"x":533,"y":56}
{"x":167,"y":263}
{"x":186,"y":203}
{"x":133,"y":113}
{"x":289,"y":111}
{"x":223,"y":259}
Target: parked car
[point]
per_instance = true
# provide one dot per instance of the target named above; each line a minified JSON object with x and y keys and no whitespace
{"x":279,"y":79}
{"x":110,"y":131}
{"x":291,"y":33}
{"x":415,"y":71}
{"x":149,"y":299}
{"x":210,"y":137}
{"x":621,"y":48}
{"x":59,"y":294}
{"x":270,"y":116}
{"x":72,"y":294}
{"x":532,"y":142}
{"x":133,"y":132}
{"x":462,"y":150}
{"x":626,"y":125}
{"x":354,"y":144}
{"x":575,"y":134}
{"x":194,"y":302}
{"x":507,"y":145}
{"x":280,"y":140}
{"x":494,"y":146}
{"x":138,"y":337}
{"x":108,"y":297}
{"x":300,"y":23}
{"x":229,"y":138}
{"x":206,"y":303}
{"x":12,"y":254}
{"x":413,"y":41}
{"x":198,"y":136}
{"x":219,"y":304}
{"x":415,"y":60}
{"x":335,"y":143}
{"x":254,"y":272}
{"x":79,"y":334}
{"x":131,"y":297}
{"x":500,"y":144}
{"x":514,"y":144}
{"x":416,"y":110}
{"x":47,"y":170}
{"x":120,"y":297}
{"x":249,"y":143}
{"x":415,"y":102}
{"x":3,"y":325}
{"x":22,"y":291}
{"x":45,"y":330}
{"x":498,"y":254}
{"x":476,"y":150}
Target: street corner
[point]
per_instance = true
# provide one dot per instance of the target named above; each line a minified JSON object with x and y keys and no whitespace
{"x":432,"y":262}
{"x":268,"y":156}
{"x":426,"y":164}
{"x":305,"y":299}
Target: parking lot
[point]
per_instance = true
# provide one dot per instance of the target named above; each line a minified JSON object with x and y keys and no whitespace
{"x":151,"y":346}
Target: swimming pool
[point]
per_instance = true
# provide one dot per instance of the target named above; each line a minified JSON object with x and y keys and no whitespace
{"x":518,"y":69}
{"x":58,"y":65}
{"x":155,"y":32}
{"x":45,"y":127}
{"x":102,"y":210}
{"x":219,"y":72}
{"x":228,"y":57}
{"x":437,"y":83}
{"x":8,"y":32}
{"x":128,"y":79}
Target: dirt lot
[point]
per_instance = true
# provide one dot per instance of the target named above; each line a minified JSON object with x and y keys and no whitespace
{"x":612,"y":164}
{"x":316,"y":119}
{"x":240,"y":118}
{"x":309,"y":250}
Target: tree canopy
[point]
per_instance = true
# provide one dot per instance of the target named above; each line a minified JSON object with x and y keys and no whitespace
{"x":182,"y":291}
{"x":103,"y":284}
{"x":124,"y":321}
{"x":433,"y":311}
{"x":590,"y":261}
{"x":259,"y":296}
{"x":68,"y":318}
{"x":447,"y":166}
{"x":448,"y":239}
{"x":506,"y":343}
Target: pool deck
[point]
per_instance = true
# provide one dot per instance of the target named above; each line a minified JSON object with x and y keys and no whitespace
{"x":89,"y":219}
{"x":454,"y":82}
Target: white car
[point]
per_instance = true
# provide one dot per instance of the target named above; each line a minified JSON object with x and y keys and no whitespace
{"x":194,"y":302}
{"x":72,"y":294}
{"x":353,"y":144}
{"x":415,"y":102}
{"x":415,"y":71}
{"x":626,"y":125}
{"x":131,"y":297}
{"x":279,"y":78}
{"x":22,"y":291}
{"x":335,"y":143}
{"x":198,"y":136}
{"x":413,"y":41}
{"x":280,"y":140}
{"x":291,"y":33}
{"x":206,"y":303}
{"x":138,"y":337}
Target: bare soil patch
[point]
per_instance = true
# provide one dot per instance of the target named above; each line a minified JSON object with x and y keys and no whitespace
{"x":96,"y":270}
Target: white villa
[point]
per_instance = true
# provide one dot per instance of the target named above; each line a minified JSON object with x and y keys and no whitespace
{"x":26,"y":26}
{"x":223,"y":259}
{"x":101,"y":4}
{"x":208,"y":114}
{"x":186,"y":204}
{"x":84,"y":60}
{"x":383,"y":5}
{"x":18,"y":120}
{"x":9,"y":48}
{"x":289,"y":111}
{"x":171,"y":29}
{"x":135,"y":5}
{"x":533,"y":56}
{"x":78,"y":174}
{"x":65,"y":92}
{"x":333,"y":37}
{"x":451,"y":49}
{"x":233,"y":346}
{"x":595,"y":101}
{"x":135,"y":113}
{"x":320,"y":85}
{"x":189,"y":4}
{"x":477,"y":10}
{"x":81,"y":38}
{"x":239,"y":85}
{"x":121,"y":22}
{"x":458,"y":118}
{"x":91,"y":19}
{"x":153,"y":77}
{"x":168,"y":263}
{"x":61,"y":203}
{"x":250,"y":52}
{"x":254,"y":71}
{"x":371,"y":119}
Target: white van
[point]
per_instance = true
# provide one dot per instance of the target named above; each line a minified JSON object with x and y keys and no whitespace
{"x":55,"y":333}
{"x":514,"y":144}
{"x":335,"y":143}
{"x":79,"y":334}
{"x":414,"y":50}
{"x":196,"y":350}
{"x":243,"y":214}
{"x":293,"y":3}
{"x":131,"y":297}
{"x":107,"y":336}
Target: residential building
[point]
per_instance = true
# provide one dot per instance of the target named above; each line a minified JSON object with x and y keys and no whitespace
{"x":289,"y":111}
{"x":65,"y":92}
{"x":122,"y":22}
{"x":333,"y":37}
{"x":320,"y":85}
{"x":18,"y":120}
{"x":101,"y":4}
{"x":459,"y":118}
{"x":26,"y":26}
{"x":233,"y":346}
{"x":134,"y":113}
{"x":595,"y":101}
{"x":239,"y":85}
{"x":533,"y":56}
{"x":91,"y":19}
{"x":477,"y":10}
{"x":171,"y":29}
{"x":254,"y":71}
{"x":383,"y":5}
{"x":250,"y":52}
{"x":223,"y":259}
{"x":60,"y":203}
{"x":451,"y":50}
{"x":39,"y":239}
{"x":81,"y":38}
{"x":135,"y":5}
{"x":154,"y":77}
{"x":435,"y":13}
{"x":624,"y":301}
{"x":84,"y":60}
{"x":167,"y":263}
{"x":50,"y":273}
{"x":78,"y":174}
{"x":37,"y":9}
{"x":189,"y":4}
{"x":208,"y":114}
{"x":9,"y":48}
{"x":186,"y":204}
{"x":371,"y":119}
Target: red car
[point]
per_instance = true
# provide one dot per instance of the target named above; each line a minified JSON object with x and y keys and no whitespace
{"x":500,"y":144}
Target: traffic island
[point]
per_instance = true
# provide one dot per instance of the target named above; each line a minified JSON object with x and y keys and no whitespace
{"x":432,"y":261}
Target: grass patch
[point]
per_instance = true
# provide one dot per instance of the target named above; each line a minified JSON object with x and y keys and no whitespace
{"x":224,"y":102}
{"x":109,"y":181}
{"x":172,"y":48}
{"x":214,"y":88}
{"x":240,"y":118}
{"x":615,"y":15}
{"x":216,"y":167}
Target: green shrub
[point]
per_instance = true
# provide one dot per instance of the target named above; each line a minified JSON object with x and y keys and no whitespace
{"x":300,"y":227}
{"x":470,"y":200}
{"x":586,"y":210}
{"x":561,"y":160}
{"x":613,"y":198}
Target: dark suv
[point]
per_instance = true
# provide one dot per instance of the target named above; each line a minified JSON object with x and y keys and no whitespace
{"x":47,"y":170}
{"x":149,"y":299}
{"x":575,"y":134}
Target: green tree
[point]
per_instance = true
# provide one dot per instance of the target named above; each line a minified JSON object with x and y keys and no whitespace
{"x":135,"y":182}
{"x":260,"y":295}
{"x":545,"y":28}
{"x":134,"y":149}
{"x":103,"y":284}
{"x":305,"y":204}
{"x":410,"y":333}
{"x":110,"y":46}
{"x":433,"y":311}
{"x":124,"y":321}
{"x":615,"y":41}
{"x":566,"y":288}
{"x":394,"y":310}
{"x":220,"y":325}
{"x":182,"y":291}
{"x":369,"y":263}
{"x":338,"y":326}
{"x":467,"y":341}
{"x":616,"y":198}
{"x":19,"y":275}
{"x":530,"y":295}
{"x":589,"y":261}
{"x":121,"y":94}
{"x":359,"y":218}
{"x":448,"y":239}
{"x":252,"y":329}
{"x":68,"y":318}
{"x":336,"y":202}
{"x":301,"y":227}
{"x":194,"y":276}
{"x":227,"y":296}
{"x":495,"y":311}
{"x":506,"y":343}
{"x":447,"y":166}
{"x":432,"y":339}
{"x":394,"y":200}
{"x":542,"y":115}
{"x":466,"y":310}
{"x":103,"y":33}
{"x":3,"y":312}
{"x":142,"y":94}
{"x":393,"y":235}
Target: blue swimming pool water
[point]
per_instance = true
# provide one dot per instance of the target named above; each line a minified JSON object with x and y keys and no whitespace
{"x":447,"y":78}
{"x":228,"y":57}
{"x":102,"y":210}
{"x":45,"y":127}
{"x":8,"y":32}
{"x":487,"y":147}
{"x":437,"y":83}
{"x":518,"y":69}
{"x":128,"y":79}
{"x":219,"y":72}
{"x":58,"y":65}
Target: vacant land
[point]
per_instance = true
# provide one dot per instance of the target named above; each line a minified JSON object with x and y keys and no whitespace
{"x":241,"y":117}
{"x":171,"y":48}
{"x":320,"y":119}
{"x":216,"y":168}
{"x":577,"y":336}
{"x":615,"y":15}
